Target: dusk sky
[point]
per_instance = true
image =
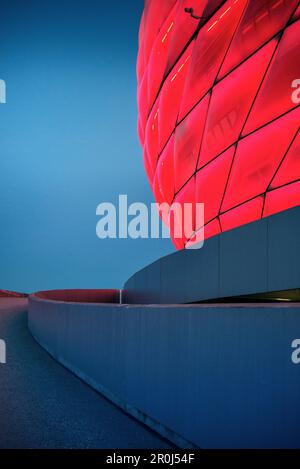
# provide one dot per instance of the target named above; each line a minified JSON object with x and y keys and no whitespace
{"x":69,"y":142}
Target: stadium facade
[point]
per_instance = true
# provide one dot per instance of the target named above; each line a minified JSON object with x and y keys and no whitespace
{"x":218,"y":114}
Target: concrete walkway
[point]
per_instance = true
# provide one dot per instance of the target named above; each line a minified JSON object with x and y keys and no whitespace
{"x":42,"y":405}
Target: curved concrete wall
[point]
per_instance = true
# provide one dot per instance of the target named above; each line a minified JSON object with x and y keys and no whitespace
{"x":207,"y":375}
{"x":81,"y":296}
{"x":261,"y":257}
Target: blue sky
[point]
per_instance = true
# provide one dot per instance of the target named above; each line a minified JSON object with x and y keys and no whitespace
{"x":68,"y":142}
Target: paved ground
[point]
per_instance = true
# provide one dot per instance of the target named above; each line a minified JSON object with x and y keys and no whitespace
{"x":42,"y":405}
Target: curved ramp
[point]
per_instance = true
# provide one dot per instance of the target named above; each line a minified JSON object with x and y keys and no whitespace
{"x":43,"y":405}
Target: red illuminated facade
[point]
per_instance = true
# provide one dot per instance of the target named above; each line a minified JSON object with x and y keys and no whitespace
{"x":217,"y":120}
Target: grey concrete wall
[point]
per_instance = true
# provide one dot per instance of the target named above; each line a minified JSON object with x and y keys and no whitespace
{"x":215,"y":376}
{"x":261,"y":257}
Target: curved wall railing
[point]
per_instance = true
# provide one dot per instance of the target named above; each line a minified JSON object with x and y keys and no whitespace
{"x":212,"y":376}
